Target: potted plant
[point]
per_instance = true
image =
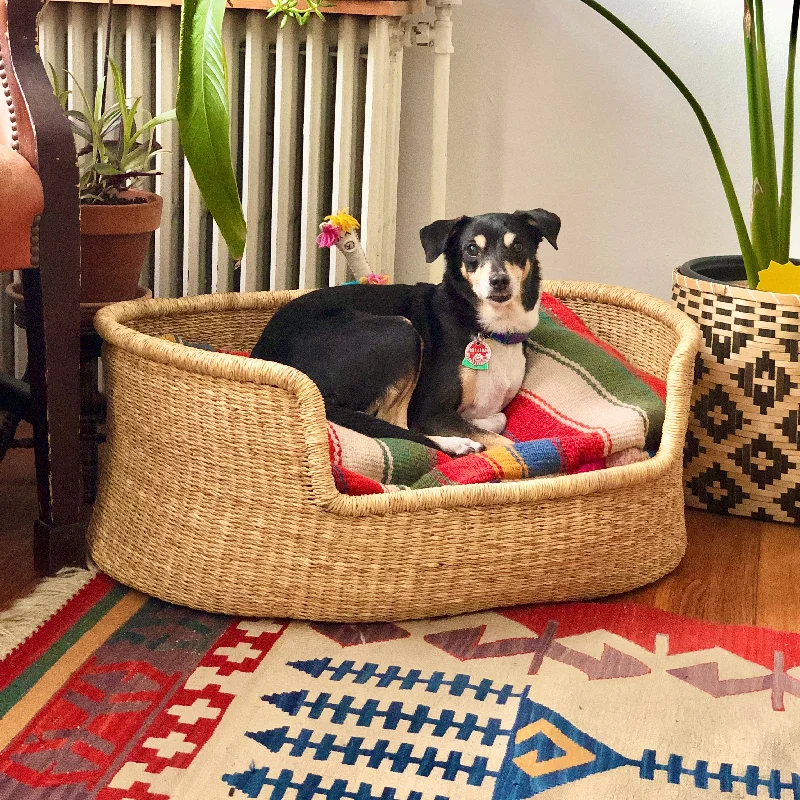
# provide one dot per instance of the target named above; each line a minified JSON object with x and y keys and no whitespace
{"x":742,"y":455}
{"x":117,"y":220}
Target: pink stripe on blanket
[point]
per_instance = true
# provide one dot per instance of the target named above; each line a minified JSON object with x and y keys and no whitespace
{"x":569,"y":319}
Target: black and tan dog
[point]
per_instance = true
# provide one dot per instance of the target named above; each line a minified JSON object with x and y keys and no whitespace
{"x":411,"y":361}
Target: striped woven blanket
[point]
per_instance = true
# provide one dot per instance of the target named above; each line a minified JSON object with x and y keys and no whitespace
{"x":582,"y":407}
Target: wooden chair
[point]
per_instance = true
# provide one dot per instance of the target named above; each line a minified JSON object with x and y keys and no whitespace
{"x":33,"y":125}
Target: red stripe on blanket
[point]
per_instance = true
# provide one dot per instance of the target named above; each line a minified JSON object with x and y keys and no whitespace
{"x":569,"y":319}
{"x":334,"y":445}
{"x":528,"y":419}
{"x":353,"y":484}
{"x":469,"y":470}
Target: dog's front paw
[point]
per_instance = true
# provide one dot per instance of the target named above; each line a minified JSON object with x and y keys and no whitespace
{"x":457,"y":445}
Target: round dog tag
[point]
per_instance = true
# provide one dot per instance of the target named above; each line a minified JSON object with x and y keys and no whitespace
{"x":477,"y":355}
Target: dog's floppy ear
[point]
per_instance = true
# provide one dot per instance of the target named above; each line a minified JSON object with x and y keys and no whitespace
{"x":546,"y":222}
{"x":434,"y":237}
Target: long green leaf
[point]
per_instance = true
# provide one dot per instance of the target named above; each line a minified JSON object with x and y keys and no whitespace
{"x":203,"y":114}
{"x":746,"y":246}
{"x":765,"y":221}
{"x":760,"y":231}
{"x":788,"y":142}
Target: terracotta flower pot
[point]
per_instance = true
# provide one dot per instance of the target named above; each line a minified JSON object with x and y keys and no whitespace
{"x":114,"y":244}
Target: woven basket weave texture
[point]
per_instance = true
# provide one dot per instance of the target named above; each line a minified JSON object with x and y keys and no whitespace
{"x":742,"y":453}
{"x":216,"y":489}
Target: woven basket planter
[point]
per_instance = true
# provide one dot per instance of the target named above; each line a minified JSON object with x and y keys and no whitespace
{"x":742,"y":454}
{"x":216,"y":489}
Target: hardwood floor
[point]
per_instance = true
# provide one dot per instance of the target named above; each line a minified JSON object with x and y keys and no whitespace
{"x":735,"y":571}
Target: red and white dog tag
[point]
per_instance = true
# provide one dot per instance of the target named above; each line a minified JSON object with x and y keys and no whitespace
{"x":477,"y":354}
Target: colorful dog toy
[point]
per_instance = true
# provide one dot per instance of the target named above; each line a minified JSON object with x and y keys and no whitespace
{"x":340,"y":229}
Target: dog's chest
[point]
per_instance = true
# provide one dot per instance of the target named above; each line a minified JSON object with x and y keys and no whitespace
{"x":485,"y":392}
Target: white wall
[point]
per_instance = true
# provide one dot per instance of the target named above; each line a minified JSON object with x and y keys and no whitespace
{"x":552,"y":107}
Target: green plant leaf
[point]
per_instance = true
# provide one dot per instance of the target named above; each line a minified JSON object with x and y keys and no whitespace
{"x":788,"y":141}
{"x":203,"y":115}
{"x":765,"y":216}
{"x":154,"y":122}
{"x":106,"y":169}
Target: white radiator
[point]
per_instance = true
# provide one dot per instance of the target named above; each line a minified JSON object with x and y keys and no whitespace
{"x":315,"y":127}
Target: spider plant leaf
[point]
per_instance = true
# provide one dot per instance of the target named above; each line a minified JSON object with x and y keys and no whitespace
{"x":61,"y":92}
{"x":137,"y":158}
{"x":98,"y":99}
{"x":107,"y":169}
{"x":151,"y":124}
{"x":81,"y":125}
{"x":86,"y":104}
{"x":111,"y":122}
{"x":203,"y":114}
{"x":126,"y":112}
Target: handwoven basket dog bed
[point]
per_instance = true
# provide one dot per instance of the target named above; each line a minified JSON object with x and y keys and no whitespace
{"x":216,"y":489}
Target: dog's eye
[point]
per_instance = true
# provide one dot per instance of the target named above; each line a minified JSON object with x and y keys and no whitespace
{"x":517,"y":247}
{"x":472,"y":249}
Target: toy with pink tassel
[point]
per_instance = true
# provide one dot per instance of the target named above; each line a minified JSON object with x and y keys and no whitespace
{"x":339,"y":230}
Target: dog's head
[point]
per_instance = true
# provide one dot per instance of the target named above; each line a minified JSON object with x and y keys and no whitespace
{"x":491,"y":262}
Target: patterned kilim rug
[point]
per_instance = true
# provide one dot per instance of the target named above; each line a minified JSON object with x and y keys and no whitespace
{"x":123,"y":697}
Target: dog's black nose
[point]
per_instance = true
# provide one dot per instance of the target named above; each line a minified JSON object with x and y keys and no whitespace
{"x":499,"y":281}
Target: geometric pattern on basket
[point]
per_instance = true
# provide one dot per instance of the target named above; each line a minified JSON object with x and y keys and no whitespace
{"x":741,"y":455}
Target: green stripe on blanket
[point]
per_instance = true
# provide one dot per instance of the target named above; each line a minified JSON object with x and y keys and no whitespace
{"x":571,"y":346}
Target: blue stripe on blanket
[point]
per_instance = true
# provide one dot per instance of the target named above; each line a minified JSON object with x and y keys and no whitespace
{"x":541,"y":456}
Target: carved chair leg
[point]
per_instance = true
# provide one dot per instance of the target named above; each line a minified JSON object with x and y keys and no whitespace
{"x":53,"y":353}
{"x":52,"y":294}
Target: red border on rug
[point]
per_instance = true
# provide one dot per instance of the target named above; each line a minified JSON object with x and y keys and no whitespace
{"x":641,"y":624}
{"x":19,"y":659}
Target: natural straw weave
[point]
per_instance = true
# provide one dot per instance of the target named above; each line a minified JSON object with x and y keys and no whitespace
{"x":216,"y":489}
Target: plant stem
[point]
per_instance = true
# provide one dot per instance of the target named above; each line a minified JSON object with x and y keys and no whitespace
{"x":748,"y":255}
{"x":106,"y":56}
{"x":788,"y":142}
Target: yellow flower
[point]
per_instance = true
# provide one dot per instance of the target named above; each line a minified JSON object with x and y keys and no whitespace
{"x":343,"y":221}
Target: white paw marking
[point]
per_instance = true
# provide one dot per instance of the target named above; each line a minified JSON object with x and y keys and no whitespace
{"x":457,"y":446}
{"x":496,"y":423}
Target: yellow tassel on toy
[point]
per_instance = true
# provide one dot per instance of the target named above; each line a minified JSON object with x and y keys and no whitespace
{"x":343,"y":221}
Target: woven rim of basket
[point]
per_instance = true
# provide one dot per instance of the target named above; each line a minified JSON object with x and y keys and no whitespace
{"x":737,"y":292}
{"x":110,"y":324}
